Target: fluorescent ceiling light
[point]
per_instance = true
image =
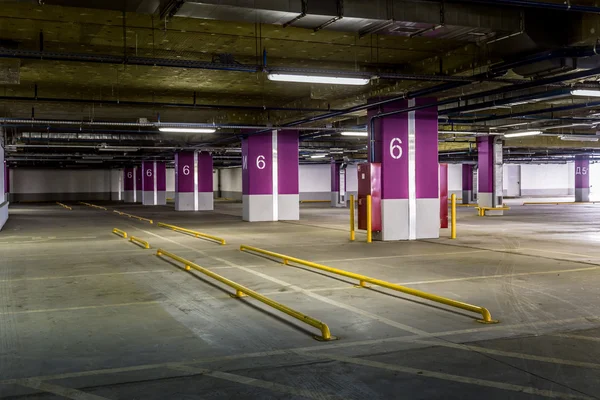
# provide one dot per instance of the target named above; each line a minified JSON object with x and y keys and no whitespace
{"x":461,"y":132}
{"x":187,"y":130}
{"x":579,"y":138}
{"x":585,"y":92}
{"x":319,"y":156}
{"x":334,"y":80}
{"x":118,"y":148}
{"x":355,"y":133}
{"x":521,"y":134}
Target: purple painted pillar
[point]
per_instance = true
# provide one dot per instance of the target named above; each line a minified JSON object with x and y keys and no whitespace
{"x":582,"y":179}
{"x":3,"y":184}
{"x":467,"y":183}
{"x":489,"y":173}
{"x":406,"y":146}
{"x":193,"y":181}
{"x":154,"y":183}
{"x":129,"y":184}
{"x":338,"y":185}
{"x":270,"y":188}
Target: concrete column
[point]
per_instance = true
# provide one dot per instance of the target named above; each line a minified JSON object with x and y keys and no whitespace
{"x":489,"y":166}
{"x":467,"y":183}
{"x":270,"y":188}
{"x":154,"y":183}
{"x":3,"y":182}
{"x":6,"y":181}
{"x":410,"y":204}
{"x":193,"y":181}
{"x":444,"y":196}
{"x":338,"y":185}
{"x":582,"y":179}
{"x":130,"y":185}
{"x":138,"y":184}
{"x":116,"y":184}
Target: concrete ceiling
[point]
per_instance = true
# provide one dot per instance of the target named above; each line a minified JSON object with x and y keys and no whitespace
{"x":203,"y":62}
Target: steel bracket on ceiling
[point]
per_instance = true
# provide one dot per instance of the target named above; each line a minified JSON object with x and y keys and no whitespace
{"x":340,"y":15}
{"x":298,"y":17}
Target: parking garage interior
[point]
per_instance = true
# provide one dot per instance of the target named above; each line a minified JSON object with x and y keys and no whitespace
{"x":342,"y":199}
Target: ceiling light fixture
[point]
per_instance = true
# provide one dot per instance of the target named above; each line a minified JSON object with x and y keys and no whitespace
{"x":319,"y":156}
{"x":187,"y":130}
{"x":355,"y":133}
{"x":585,"y":92}
{"x":579,"y":138}
{"x":333,"y":80}
{"x":521,"y":134}
{"x":118,"y":148}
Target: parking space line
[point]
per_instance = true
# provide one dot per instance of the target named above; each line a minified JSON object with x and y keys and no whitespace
{"x":479,"y":349}
{"x":58,"y":390}
{"x":579,"y":337}
{"x":44,"y":278}
{"x":449,"y":377}
{"x":319,"y":347}
{"x":45,"y":310}
{"x":244,"y":380}
{"x":403,"y":256}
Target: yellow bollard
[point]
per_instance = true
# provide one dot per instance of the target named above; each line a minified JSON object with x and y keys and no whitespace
{"x":352,"y":235}
{"x":453,"y":216}
{"x":369,"y":212}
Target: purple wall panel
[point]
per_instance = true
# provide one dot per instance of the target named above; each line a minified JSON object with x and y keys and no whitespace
{"x":288,"y":170}
{"x":161,"y":176}
{"x":184,"y":162}
{"x":426,"y":149}
{"x":148,"y":176}
{"x":394,"y":160}
{"x":582,"y":172}
{"x":467,"y":177}
{"x":485,"y":164}
{"x":335,"y":177}
{"x":128,"y":178}
{"x":205,"y":173}
{"x":257,"y":164}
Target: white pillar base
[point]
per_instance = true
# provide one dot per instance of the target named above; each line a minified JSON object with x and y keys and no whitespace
{"x":138,"y":196}
{"x":486,"y":200}
{"x":582,"y":195}
{"x":258,"y":207}
{"x":129,"y":196}
{"x":206,"y":201}
{"x":184,"y":202}
{"x":289,"y":207}
{"x":395,"y":220}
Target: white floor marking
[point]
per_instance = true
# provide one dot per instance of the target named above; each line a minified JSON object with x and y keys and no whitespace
{"x":45,"y":310}
{"x":319,"y":347}
{"x":44,"y":278}
{"x":275,"y":387}
{"x":403,"y":256}
{"x":59,"y":390}
{"x":578,"y":337}
{"x":512,"y":354}
{"x":555,"y":252}
{"x":449,"y":377}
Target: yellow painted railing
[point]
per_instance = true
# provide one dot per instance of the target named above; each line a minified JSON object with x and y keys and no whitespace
{"x":363,"y":280}
{"x":120,"y":232}
{"x":241,"y":291}
{"x":558,"y":203}
{"x":194,"y":233}
{"x":369,"y":219}
{"x":64,"y":205}
{"x":352,"y":224}
{"x":453,"y":216}
{"x":134,"y":216}
{"x":144,"y":243}
{"x":93,"y":205}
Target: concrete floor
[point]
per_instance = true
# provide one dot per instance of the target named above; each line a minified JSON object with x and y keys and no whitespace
{"x":85,"y":314}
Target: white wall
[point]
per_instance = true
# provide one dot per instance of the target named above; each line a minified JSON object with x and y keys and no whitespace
{"x":3,"y":207}
{"x":547,"y":179}
{"x":60,"y":184}
{"x":170,"y":182}
{"x":351,"y":179}
{"x":315,"y":178}
{"x":455,"y":179}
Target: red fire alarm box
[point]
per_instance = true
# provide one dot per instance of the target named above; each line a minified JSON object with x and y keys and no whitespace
{"x":369,"y":183}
